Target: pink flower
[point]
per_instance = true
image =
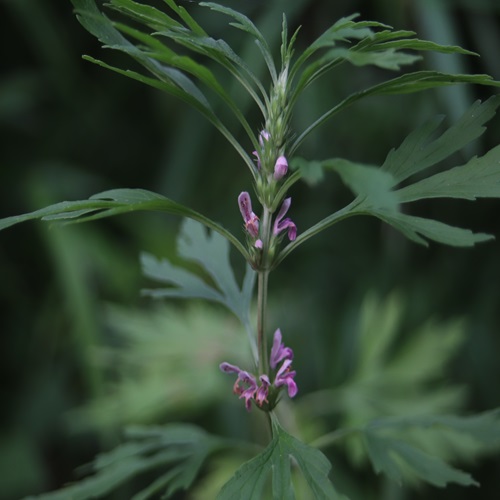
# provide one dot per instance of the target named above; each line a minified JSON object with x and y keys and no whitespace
{"x":250,"y":219}
{"x":263,"y":390}
{"x":280,"y":168}
{"x":279,"y":352}
{"x":285,"y":377}
{"x":281,"y":224}
{"x":247,"y":387}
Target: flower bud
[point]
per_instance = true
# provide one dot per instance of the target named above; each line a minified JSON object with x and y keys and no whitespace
{"x":280,"y":168}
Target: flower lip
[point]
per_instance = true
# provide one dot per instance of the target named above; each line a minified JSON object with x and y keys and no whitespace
{"x":285,"y":377}
{"x":279,"y":352}
{"x":281,"y":224}
{"x":263,"y":391}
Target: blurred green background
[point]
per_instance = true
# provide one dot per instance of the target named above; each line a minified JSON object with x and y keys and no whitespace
{"x":69,"y":129}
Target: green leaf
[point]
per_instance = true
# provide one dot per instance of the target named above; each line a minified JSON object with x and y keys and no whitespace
{"x":405,"y":84}
{"x":211,"y":252}
{"x":245,"y":24}
{"x":149,"y":364}
{"x":387,"y":59}
{"x":116,"y":202}
{"x":375,"y":191}
{"x":250,"y":479}
{"x":145,"y":14}
{"x":387,"y":455}
{"x":171,"y":79}
{"x":146,"y":450}
{"x":401,"y":446}
{"x":392,"y":373}
{"x":418,"y":151}
{"x":478,"y":178}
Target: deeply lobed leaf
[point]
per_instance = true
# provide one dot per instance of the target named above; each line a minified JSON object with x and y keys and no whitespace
{"x":249,"y":480}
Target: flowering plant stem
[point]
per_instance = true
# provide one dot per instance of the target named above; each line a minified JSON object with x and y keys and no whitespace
{"x":262,"y":284}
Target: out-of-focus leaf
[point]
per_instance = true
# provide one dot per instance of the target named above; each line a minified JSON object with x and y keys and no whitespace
{"x":391,"y":375}
{"x":250,"y":479}
{"x":164,"y":363}
{"x":184,"y":445}
{"x":211,"y":252}
{"x":390,"y":456}
{"x":422,"y":443}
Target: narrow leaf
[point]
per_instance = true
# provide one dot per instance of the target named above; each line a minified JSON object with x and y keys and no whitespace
{"x":115,"y":202}
{"x":405,"y":84}
{"x":418,"y":151}
{"x":478,"y":178}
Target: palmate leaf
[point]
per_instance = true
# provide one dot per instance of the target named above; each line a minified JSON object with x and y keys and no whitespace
{"x":211,"y":252}
{"x":376,"y":188}
{"x":116,"y":202}
{"x":250,"y":479}
{"x":417,"y":447}
{"x":180,"y":448}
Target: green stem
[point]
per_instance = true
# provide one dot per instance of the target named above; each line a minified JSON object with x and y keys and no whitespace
{"x":262,"y":285}
{"x":261,"y":320}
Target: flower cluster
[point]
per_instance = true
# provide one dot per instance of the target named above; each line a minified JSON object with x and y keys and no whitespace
{"x":252,"y":221}
{"x":264,"y":395}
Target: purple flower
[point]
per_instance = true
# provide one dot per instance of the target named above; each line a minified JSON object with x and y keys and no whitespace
{"x":285,"y":377}
{"x":279,"y":352}
{"x":243,"y":378}
{"x":280,"y":168}
{"x":249,"y":393}
{"x":281,"y":224}
{"x":263,"y":390}
{"x":251,"y":220}
{"x":247,"y":387}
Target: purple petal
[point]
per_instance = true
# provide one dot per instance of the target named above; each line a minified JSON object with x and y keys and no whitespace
{"x":245,"y":204}
{"x":280,"y":168}
{"x":283,"y":210}
{"x":280,"y":224}
{"x":290,"y":225}
{"x":228,"y":368}
{"x":263,"y":390}
{"x":279,"y":352}
{"x":292,"y":387}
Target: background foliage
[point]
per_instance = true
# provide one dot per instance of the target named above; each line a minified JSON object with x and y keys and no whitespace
{"x":73,"y":327}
